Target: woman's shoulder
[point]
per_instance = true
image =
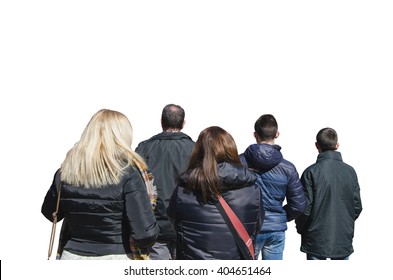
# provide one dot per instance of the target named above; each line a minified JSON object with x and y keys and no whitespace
{"x":131,"y":173}
{"x":235,"y":176}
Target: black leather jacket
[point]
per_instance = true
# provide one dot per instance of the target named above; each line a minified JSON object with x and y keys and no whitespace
{"x":101,"y":220}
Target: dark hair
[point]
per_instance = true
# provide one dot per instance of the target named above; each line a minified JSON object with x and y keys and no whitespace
{"x":266,"y":127}
{"x":172,"y":117}
{"x":214,"y":145}
{"x":327,"y":139}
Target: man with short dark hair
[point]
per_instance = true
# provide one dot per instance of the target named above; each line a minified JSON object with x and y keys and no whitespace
{"x":167,"y":155}
{"x":333,"y":203}
{"x":279,"y":181}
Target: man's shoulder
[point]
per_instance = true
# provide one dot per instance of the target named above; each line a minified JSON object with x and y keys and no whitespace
{"x":287,"y":164}
{"x":151,"y":139}
{"x":145,"y":143}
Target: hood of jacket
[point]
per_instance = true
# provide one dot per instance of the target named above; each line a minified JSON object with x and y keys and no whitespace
{"x":232,"y":176}
{"x":262,"y":157}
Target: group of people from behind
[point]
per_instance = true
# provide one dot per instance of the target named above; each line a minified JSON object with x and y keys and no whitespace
{"x":108,"y":209}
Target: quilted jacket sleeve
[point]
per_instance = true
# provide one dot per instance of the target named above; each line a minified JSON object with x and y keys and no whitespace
{"x":142,"y":223}
{"x":49,"y":204}
{"x":296,"y":200}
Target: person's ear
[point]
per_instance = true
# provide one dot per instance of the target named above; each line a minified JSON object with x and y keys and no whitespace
{"x":317,"y":146}
{"x":184,"y":122}
{"x":256,"y":137}
{"x":337,"y":145}
{"x":277,"y":134}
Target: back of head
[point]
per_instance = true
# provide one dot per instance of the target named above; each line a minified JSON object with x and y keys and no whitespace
{"x":266,"y":127}
{"x":327,"y":139}
{"x":102,"y":153}
{"x":214,"y":145}
{"x":172,"y":117}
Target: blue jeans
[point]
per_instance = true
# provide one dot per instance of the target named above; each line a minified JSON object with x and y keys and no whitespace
{"x":312,"y":257}
{"x":271,"y":244}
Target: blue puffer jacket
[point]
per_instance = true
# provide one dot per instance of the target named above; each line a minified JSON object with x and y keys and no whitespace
{"x":279,"y":180}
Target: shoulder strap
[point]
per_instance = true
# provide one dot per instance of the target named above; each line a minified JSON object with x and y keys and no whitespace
{"x":240,"y":234}
{"x":54,"y":216}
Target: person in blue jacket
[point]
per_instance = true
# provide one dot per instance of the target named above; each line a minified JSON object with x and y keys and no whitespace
{"x":279,"y":181}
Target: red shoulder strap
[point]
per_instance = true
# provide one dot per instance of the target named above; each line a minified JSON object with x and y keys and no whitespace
{"x":238,"y":225}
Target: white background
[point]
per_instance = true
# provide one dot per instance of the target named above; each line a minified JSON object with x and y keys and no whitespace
{"x":310,"y":63}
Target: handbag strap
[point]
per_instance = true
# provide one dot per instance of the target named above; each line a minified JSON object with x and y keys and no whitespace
{"x":54,"y":216}
{"x":238,"y":230}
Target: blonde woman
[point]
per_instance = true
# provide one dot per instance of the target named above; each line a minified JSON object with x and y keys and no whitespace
{"x":103,"y":196}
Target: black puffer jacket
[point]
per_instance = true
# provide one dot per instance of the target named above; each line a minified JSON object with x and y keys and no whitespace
{"x":101,"y":220}
{"x":167,"y":155}
{"x":201,"y":230}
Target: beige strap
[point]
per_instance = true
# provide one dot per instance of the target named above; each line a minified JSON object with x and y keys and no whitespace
{"x":54,"y":215}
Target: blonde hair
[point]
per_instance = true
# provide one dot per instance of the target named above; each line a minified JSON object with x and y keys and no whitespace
{"x":102,"y":153}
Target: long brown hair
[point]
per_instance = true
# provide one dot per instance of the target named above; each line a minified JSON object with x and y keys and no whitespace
{"x":214,"y":145}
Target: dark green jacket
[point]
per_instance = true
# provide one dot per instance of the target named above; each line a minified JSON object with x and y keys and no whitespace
{"x":167,"y":155}
{"x":333,"y":204}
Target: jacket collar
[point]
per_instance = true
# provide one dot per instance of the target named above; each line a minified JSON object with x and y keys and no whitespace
{"x":329,"y":155}
{"x":165,"y":135}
